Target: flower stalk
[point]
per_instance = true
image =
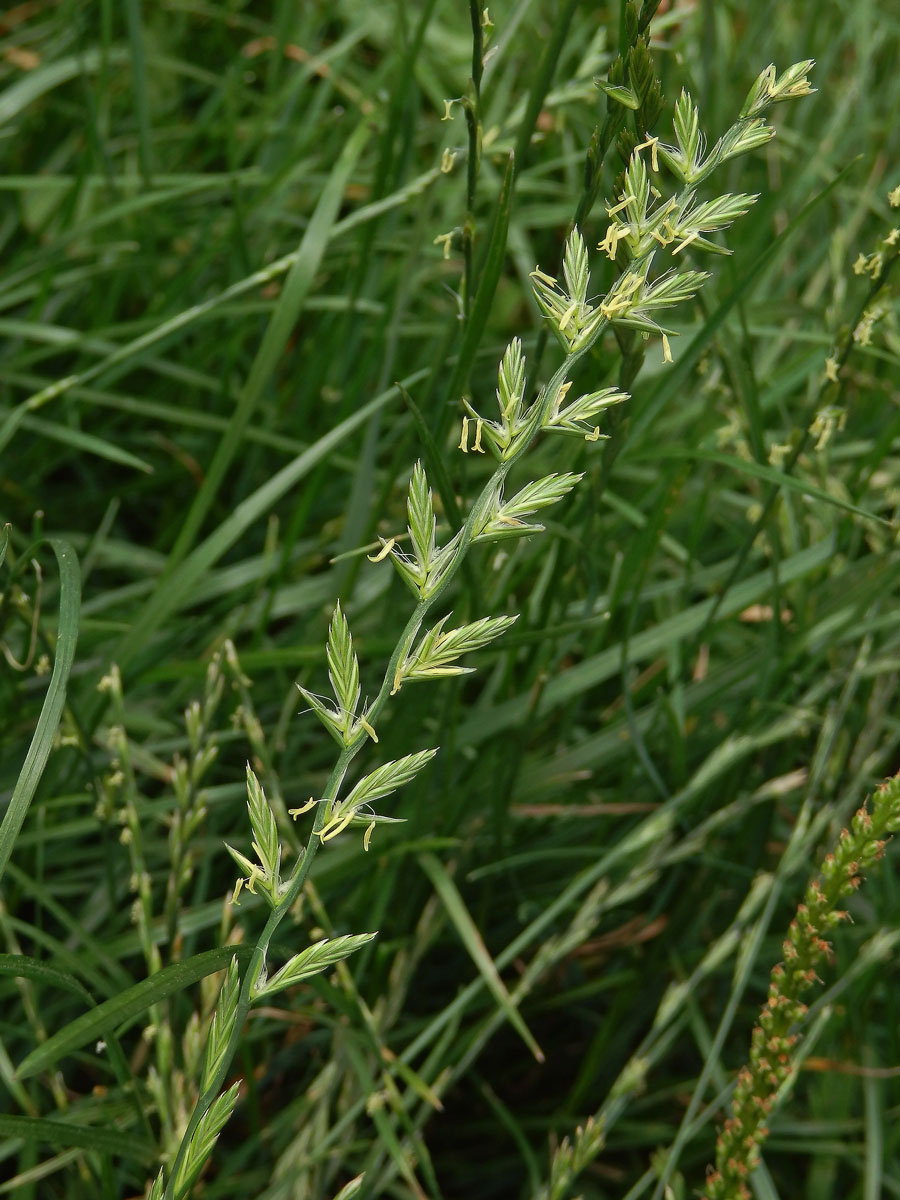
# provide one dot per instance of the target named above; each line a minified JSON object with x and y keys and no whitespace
{"x":765,"y":1080}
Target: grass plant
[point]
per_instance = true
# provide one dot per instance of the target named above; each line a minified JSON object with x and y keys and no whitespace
{"x":260,"y":266}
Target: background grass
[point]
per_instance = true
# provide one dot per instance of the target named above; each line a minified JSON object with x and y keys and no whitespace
{"x":217,"y":227}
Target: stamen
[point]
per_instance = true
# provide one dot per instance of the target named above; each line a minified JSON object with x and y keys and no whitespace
{"x":618,"y":208}
{"x":691,"y":237}
{"x":567,"y":316}
{"x":387,"y":546}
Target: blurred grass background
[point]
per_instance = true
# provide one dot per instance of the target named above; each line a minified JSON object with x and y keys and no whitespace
{"x":218,"y":228}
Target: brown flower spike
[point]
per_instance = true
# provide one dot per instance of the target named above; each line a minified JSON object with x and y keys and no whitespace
{"x":775,"y":1036}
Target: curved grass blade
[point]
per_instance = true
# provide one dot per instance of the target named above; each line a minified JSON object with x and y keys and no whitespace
{"x":63,"y":1133}
{"x":113,"y":1014}
{"x":20,"y":966}
{"x":34,"y":84}
{"x":471,"y":939}
{"x":54,"y":701}
{"x":76,"y":439}
{"x":281,"y":324}
{"x":765,"y":473}
{"x":195,"y":566}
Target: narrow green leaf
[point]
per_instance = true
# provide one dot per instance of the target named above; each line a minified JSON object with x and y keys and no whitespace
{"x":297,"y":287}
{"x":122,"y":1009}
{"x":160,"y":606}
{"x":658,"y":639}
{"x":54,"y":701}
{"x":765,"y":472}
{"x":121,"y":1143}
{"x":31,"y":85}
{"x":471,"y":939}
{"x":77,"y":439}
{"x":20,"y":966}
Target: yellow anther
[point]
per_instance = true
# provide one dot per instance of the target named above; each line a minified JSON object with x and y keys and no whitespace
{"x":667,"y":350}
{"x":613,"y":306}
{"x":368,"y":728}
{"x":594,"y":435}
{"x":367,"y":836}
{"x":464,"y":440}
{"x":831,"y":370}
{"x":544,"y":277}
{"x":448,"y":158}
{"x":238,"y":887}
{"x":567,"y":316}
{"x":860,"y":265}
{"x":652,"y":142}
{"x":611,"y":212}
{"x":333,"y":828}
{"x":558,"y":398}
{"x":477,"y":446}
{"x":892,"y":238}
{"x":446,"y":241}
{"x":610,"y":243}
{"x":304,"y":808}
{"x":691,"y":237}
{"x":448,"y":110}
{"x":894,"y":197}
{"x":387,"y":546}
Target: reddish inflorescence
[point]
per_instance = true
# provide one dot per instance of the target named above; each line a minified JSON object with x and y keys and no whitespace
{"x":774,"y":1038}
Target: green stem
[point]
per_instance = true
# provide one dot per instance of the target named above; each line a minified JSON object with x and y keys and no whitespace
{"x":302,"y":866}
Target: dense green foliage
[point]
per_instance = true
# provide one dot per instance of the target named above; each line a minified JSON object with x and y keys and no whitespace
{"x":224,"y":242}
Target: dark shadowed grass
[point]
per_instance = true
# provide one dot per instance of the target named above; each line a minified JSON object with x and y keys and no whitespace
{"x":220,"y":277}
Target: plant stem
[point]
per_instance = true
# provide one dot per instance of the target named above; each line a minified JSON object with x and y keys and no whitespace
{"x":304,"y":863}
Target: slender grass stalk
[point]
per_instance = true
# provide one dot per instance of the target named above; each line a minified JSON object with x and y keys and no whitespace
{"x":767,"y":1078}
